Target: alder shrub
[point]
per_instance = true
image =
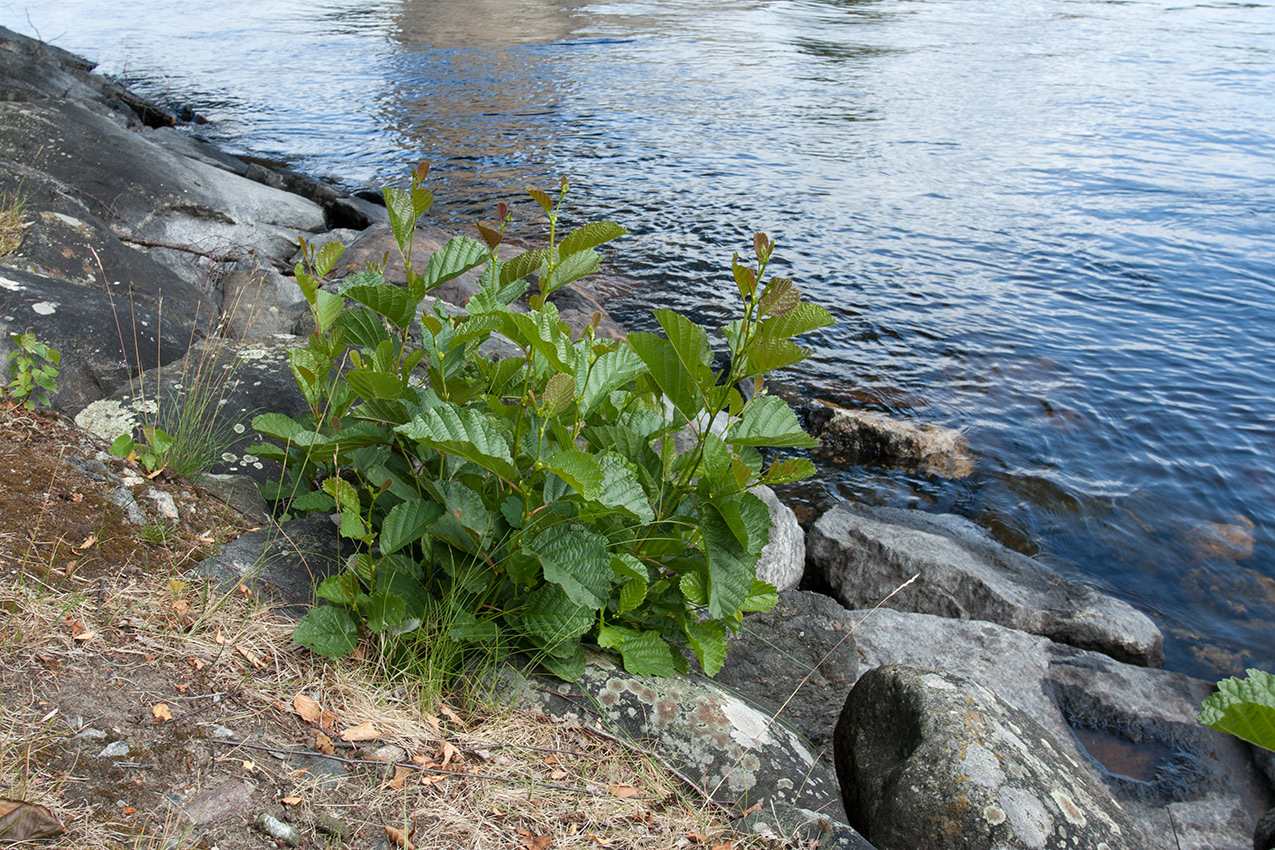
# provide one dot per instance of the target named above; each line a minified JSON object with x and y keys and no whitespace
{"x":535,"y":502}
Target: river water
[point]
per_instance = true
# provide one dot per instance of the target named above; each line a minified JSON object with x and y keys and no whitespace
{"x":1047,"y":223}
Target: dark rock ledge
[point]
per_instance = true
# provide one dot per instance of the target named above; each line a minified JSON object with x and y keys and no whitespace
{"x":999,"y":706}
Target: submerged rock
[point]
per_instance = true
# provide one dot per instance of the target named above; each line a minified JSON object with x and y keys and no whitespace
{"x":866,"y":553}
{"x":856,"y":437}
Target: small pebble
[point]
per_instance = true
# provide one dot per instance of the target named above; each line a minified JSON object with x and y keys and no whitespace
{"x":114,"y":750}
{"x":330,"y":825}
{"x":89,"y":734}
{"x":278,"y":830}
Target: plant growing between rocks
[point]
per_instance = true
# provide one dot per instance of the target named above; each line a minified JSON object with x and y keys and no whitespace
{"x":33,"y":371}
{"x":535,"y":501}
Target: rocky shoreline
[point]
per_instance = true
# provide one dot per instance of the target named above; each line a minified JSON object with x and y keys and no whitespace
{"x":149,"y":252}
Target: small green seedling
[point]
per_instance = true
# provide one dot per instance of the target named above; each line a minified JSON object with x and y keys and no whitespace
{"x":33,"y":371}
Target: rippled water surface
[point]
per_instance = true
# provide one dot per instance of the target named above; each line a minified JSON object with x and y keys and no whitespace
{"x":1046,"y":223}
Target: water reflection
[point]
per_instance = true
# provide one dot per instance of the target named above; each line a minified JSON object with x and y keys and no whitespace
{"x":485,"y":23}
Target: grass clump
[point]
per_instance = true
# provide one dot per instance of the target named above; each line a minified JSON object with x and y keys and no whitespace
{"x":12,"y":221}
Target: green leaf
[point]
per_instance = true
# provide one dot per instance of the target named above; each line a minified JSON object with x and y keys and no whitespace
{"x":568,"y":668}
{"x":556,"y":623}
{"x":122,"y":446}
{"x":559,"y":393}
{"x":768,"y":421}
{"x":398,"y":203}
{"x":690,"y":341}
{"x":457,"y":256}
{"x":1245,"y":708}
{"x":708,"y":640}
{"x":406,"y":523}
{"x":579,"y":469}
{"x":543,"y":199}
{"x":386,"y":299}
{"x":747,"y":517}
{"x":575,"y":558}
{"x":803,"y":318}
{"x":281,"y":427}
{"x":668,"y":372}
{"x":761,"y":597}
{"x":326,"y":309}
{"x":315,"y":500}
{"x":362,"y":328}
{"x":768,"y":355}
{"x":326,"y":258}
{"x":621,"y":490}
{"x":385,"y":611}
{"x":344,"y":493}
{"x":571,"y":269}
{"x":375,"y":385}
{"x":464,"y":505}
{"x":342,"y":588}
{"x":644,"y":653}
{"x":788,"y":470}
{"x":610,"y":371}
{"x":528,"y":262}
{"x":328,"y":631}
{"x":694,"y":587}
{"x":590,"y":236}
{"x":730,"y":567}
{"x":464,"y":432}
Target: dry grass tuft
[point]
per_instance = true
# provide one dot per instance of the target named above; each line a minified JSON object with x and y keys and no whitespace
{"x":12,"y":208}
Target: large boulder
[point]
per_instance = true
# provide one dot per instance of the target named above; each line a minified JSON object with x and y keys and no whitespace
{"x":797,"y":661}
{"x":148,"y":193}
{"x":730,"y":750}
{"x":77,"y":321}
{"x":783,"y":560}
{"x":863,"y":437}
{"x":866,"y":553}
{"x":929,"y":759}
{"x":1133,"y":727}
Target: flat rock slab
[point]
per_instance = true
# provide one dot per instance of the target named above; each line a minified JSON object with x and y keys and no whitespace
{"x":929,"y":759}
{"x":1185,"y":785}
{"x":866,"y":553}
{"x":285,"y":562}
{"x":131,"y":181}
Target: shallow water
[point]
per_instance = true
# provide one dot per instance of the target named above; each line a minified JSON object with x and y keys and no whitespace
{"x":1045,"y":223}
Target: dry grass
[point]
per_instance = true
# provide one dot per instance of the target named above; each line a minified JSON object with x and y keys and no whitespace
{"x":104,"y":647}
{"x":12,"y":223}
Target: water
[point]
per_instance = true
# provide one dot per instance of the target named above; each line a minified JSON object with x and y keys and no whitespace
{"x":1045,"y":223}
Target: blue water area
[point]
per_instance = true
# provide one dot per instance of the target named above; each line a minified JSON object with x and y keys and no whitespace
{"x":1046,"y":223}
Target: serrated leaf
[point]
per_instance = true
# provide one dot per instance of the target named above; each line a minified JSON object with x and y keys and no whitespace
{"x":528,"y":262}
{"x":747,"y":517}
{"x":314,"y":500}
{"x":1245,"y":708}
{"x":553,"y":620}
{"x":788,"y":470}
{"x":328,"y":631}
{"x":803,"y":318}
{"x":761,"y":597}
{"x":375,"y":385}
{"x":385,"y":611}
{"x":745,"y":278}
{"x":768,"y":355}
{"x":559,"y":393}
{"x":608,"y":372}
{"x":327,"y":258}
{"x":769,"y":421}
{"x":543,"y":199}
{"x":730,"y":567}
{"x":342,"y":588}
{"x":571,"y":269}
{"x":406,"y":523}
{"x":779,"y":297}
{"x":643,"y":653}
{"x":690,"y":341}
{"x":326,"y":309}
{"x":575,"y":558}
{"x":362,"y":328}
{"x":579,"y":469}
{"x":668,"y":372}
{"x":708,"y":641}
{"x":694,"y":587}
{"x":344,"y":493}
{"x":464,"y":432}
{"x":590,"y":236}
{"x":386,"y":299}
{"x":402,"y":212}
{"x":457,"y":256}
{"x":621,"y":489}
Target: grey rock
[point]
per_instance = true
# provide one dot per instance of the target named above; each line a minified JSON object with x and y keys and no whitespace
{"x":285,"y":561}
{"x":799,"y":659}
{"x":257,"y":303}
{"x":866,"y":553}
{"x":90,"y":734}
{"x":733,"y":752}
{"x":114,"y":750}
{"x":794,"y":827}
{"x":165,"y":506}
{"x":1264,"y":833}
{"x":1134,"y":727}
{"x":278,"y":830}
{"x":238,"y":491}
{"x":222,"y":800}
{"x":783,"y":560}
{"x":329,"y":825}
{"x":862,"y":437}
{"x":329,"y":771}
{"x":929,"y":759}
{"x":75,"y":320}
{"x":149,"y":192}
{"x":123,"y":499}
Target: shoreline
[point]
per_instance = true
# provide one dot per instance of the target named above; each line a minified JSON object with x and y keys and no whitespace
{"x":1063,"y":611}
